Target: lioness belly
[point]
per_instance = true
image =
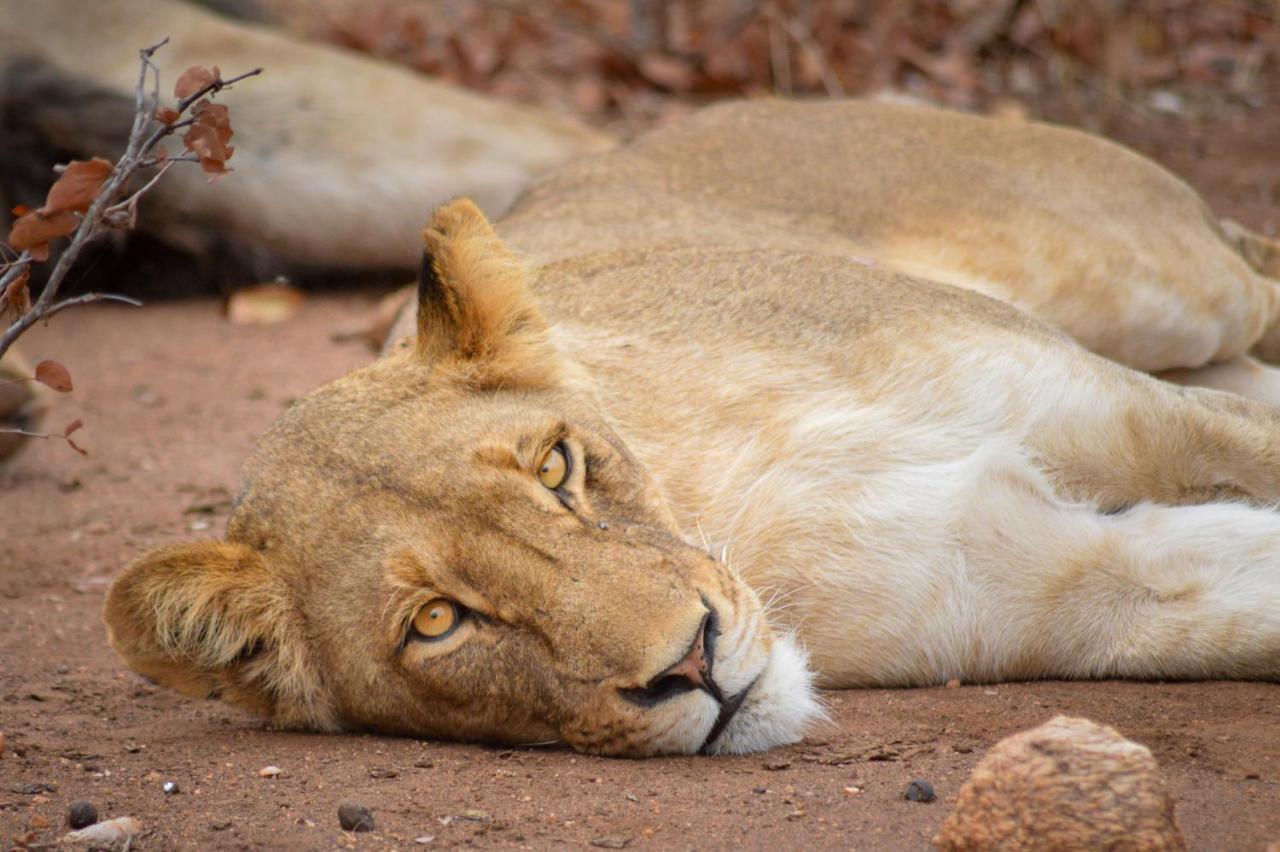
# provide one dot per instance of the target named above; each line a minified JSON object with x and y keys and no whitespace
{"x":931,"y":499}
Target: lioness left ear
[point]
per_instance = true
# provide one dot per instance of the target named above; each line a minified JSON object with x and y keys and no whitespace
{"x":211,"y":620}
{"x":476,"y":315}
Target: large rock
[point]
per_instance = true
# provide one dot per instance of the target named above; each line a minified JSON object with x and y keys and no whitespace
{"x":1069,"y":784}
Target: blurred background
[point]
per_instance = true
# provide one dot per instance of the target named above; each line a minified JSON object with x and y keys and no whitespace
{"x":627,"y":64}
{"x":1194,"y":84}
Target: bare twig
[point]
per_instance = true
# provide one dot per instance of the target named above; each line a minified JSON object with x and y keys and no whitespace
{"x":46,"y":436}
{"x":111,"y":208}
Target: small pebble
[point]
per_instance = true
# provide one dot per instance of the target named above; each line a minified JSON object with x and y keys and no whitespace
{"x":171,"y":788}
{"x":954,"y":683}
{"x":81,"y":814}
{"x":759,"y":791}
{"x":269,"y":771}
{"x":424,"y":839}
{"x":354,"y":817}
{"x":919,"y":790}
{"x":38,"y":822}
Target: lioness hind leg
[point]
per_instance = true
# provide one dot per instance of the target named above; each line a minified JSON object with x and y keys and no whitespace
{"x":1152,"y":592}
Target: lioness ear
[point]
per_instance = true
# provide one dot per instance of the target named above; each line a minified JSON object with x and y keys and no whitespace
{"x":476,"y":316}
{"x":212,"y":621}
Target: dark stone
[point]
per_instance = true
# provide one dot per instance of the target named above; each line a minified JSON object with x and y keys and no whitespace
{"x":81,"y":814}
{"x":920,"y":790}
{"x":354,"y":817}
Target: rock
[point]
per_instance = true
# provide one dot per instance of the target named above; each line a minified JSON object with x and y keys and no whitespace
{"x":171,"y":788}
{"x":954,"y":683}
{"x":777,"y":765}
{"x":424,"y":839}
{"x":1068,"y":784}
{"x":610,"y":842}
{"x":269,"y":771}
{"x":38,"y":822}
{"x":355,"y":817}
{"x":114,"y":831}
{"x":81,"y":814}
{"x":34,"y":788}
{"x":476,"y":815}
{"x":919,"y":790}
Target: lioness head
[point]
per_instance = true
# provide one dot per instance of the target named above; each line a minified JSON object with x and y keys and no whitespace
{"x":454,"y":543}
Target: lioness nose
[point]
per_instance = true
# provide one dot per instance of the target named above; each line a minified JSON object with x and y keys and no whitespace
{"x":692,"y":672}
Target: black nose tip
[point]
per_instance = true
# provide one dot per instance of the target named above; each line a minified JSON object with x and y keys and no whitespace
{"x":693,"y":671}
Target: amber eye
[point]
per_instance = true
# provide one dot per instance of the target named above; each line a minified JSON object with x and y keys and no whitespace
{"x":437,"y":619}
{"x":553,"y":470}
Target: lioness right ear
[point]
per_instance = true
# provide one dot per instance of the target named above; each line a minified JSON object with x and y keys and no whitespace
{"x":476,"y":316}
{"x":211,"y":620}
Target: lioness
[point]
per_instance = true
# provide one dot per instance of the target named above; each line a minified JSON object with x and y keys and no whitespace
{"x":552,"y":510}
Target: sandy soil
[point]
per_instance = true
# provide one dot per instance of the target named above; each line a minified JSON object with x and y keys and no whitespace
{"x":173,"y":397}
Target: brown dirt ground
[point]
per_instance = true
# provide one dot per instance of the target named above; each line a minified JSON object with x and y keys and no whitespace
{"x":173,"y":397}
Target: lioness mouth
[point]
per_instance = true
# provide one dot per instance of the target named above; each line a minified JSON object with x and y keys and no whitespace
{"x":728,"y":709}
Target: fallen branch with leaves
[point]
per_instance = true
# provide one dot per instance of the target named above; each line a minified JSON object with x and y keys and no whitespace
{"x":91,"y":198}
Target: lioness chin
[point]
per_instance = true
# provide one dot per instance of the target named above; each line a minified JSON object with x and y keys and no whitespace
{"x":523,"y":526}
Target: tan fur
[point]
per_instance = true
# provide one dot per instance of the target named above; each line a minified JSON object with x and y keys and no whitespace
{"x":22,"y":403}
{"x":925,"y":482}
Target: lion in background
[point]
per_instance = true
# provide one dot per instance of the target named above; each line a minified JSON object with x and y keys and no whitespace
{"x":845,"y":393}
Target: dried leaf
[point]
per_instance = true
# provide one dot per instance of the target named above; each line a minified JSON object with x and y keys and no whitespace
{"x":167,"y":115}
{"x":17,"y":297}
{"x":72,"y":427}
{"x":193,"y":80}
{"x":78,"y":186}
{"x":265,"y":304}
{"x":33,"y":231}
{"x":666,"y":71}
{"x":54,"y":375}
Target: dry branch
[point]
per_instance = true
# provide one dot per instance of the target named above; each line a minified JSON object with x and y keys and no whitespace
{"x":114,"y":206}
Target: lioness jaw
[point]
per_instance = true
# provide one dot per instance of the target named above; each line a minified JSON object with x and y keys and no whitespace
{"x":501,"y":530}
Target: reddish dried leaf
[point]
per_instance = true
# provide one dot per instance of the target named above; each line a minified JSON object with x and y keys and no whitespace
{"x":265,"y":304}
{"x":78,"y":186}
{"x":72,"y":427}
{"x":193,"y":80}
{"x":214,"y":168}
{"x":79,"y":449}
{"x":216,"y":116}
{"x":206,"y":142}
{"x":166,"y":115}
{"x":33,"y":231}
{"x":17,"y":298}
{"x":54,"y":375}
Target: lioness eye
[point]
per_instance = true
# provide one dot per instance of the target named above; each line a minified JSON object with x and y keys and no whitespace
{"x":554,"y":467}
{"x":437,"y":619}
